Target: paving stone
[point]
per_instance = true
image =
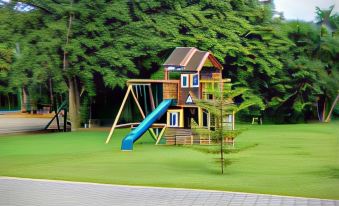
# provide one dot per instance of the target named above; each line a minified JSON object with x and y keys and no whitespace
{"x":27,"y":192}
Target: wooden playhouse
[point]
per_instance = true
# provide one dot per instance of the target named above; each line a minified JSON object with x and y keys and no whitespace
{"x":172,"y":100}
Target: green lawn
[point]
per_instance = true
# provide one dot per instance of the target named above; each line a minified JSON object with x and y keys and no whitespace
{"x":297,"y":160}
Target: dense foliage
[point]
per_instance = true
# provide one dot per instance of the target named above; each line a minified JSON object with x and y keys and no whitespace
{"x":66,"y":47}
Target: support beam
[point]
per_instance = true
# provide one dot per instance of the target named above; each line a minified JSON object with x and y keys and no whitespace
{"x":145,"y":99}
{"x":200,"y":117}
{"x":126,"y":125}
{"x":155,"y":125}
{"x":161,"y":134}
{"x":156,"y":95}
{"x":233,"y":120}
{"x":118,"y":115}
{"x":151,"y":97}
{"x":58,"y":111}
{"x":166,"y":74}
{"x":136,"y":101}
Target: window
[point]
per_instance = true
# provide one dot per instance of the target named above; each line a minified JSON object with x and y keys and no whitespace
{"x":170,"y":68}
{"x":184,"y":80}
{"x":174,"y":117}
{"x":194,"y":80}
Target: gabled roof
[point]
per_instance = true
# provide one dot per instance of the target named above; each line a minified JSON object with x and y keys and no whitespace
{"x":191,"y":59}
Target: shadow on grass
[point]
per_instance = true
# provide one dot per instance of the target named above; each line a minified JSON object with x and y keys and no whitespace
{"x":331,"y":172}
{"x":215,"y":149}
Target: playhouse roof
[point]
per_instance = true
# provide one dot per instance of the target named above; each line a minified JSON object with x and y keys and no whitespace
{"x":191,"y":59}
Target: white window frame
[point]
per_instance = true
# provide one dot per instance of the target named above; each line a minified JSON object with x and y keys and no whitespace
{"x":191,"y":82}
{"x":187,"y":80}
{"x":174,"y":115}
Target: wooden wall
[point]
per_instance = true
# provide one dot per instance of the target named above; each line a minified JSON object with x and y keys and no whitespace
{"x":170,"y":91}
{"x":207,"y":73}
{"x":184,"y":94}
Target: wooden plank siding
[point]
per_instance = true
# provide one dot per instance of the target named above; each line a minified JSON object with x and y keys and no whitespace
{"x":170,"y":91}
{"x":176,"y":136}
{"x":184,"y":92}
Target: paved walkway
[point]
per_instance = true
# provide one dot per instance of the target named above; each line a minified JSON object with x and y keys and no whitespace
{"x":28,"y":192}
{"x":13,"y":125}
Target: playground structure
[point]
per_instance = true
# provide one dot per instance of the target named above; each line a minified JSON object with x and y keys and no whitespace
{"x":188,"y":72}
{"x":59,"y":121}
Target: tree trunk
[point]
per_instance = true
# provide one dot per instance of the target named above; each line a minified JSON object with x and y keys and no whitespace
{"x":332,"y":108}
{"x":24,"y":100}
{"x":9,"y":102}
{"x":324,"y":110}
{"x":51,"y":95}
{"x":74,"y":103}
{"x":73,"y":91}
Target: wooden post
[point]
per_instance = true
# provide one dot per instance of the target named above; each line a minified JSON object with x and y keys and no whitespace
{"x":161,"y":134}
{"x":200,"y":117}
{"x":233,"y":120}
{"x":151,"y":97}
{"x":145,"y":100}
{"x":166,"y":74}
{"x":209,"y":121}
{"x":118,"y":115}
{"x":156,"y":95}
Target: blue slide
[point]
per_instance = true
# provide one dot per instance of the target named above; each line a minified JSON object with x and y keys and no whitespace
{"x":127,"y":142}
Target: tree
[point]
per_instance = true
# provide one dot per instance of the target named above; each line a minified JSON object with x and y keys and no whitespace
{"x":327,"y":52}
{"x":74,"y":44}
{"x":6,"y":58}
{"x":222,"y":104}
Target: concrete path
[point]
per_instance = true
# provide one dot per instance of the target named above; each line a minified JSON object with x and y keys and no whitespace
{"x":13,"y":125}
{"x":28,"y":192}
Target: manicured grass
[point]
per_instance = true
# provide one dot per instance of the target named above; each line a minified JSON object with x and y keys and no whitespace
{"x":297,"y":160}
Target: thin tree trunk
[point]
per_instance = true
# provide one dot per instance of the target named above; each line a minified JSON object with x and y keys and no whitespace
{"x":74,"y":104}
{"x":77,"y":102}
{"x":328,"y":119}
{"x":9,"y":102}
{"x":324,"y":110}
{"x":318,"y":114}
{"x":24,"y":100}
{"x":51,"y":92}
